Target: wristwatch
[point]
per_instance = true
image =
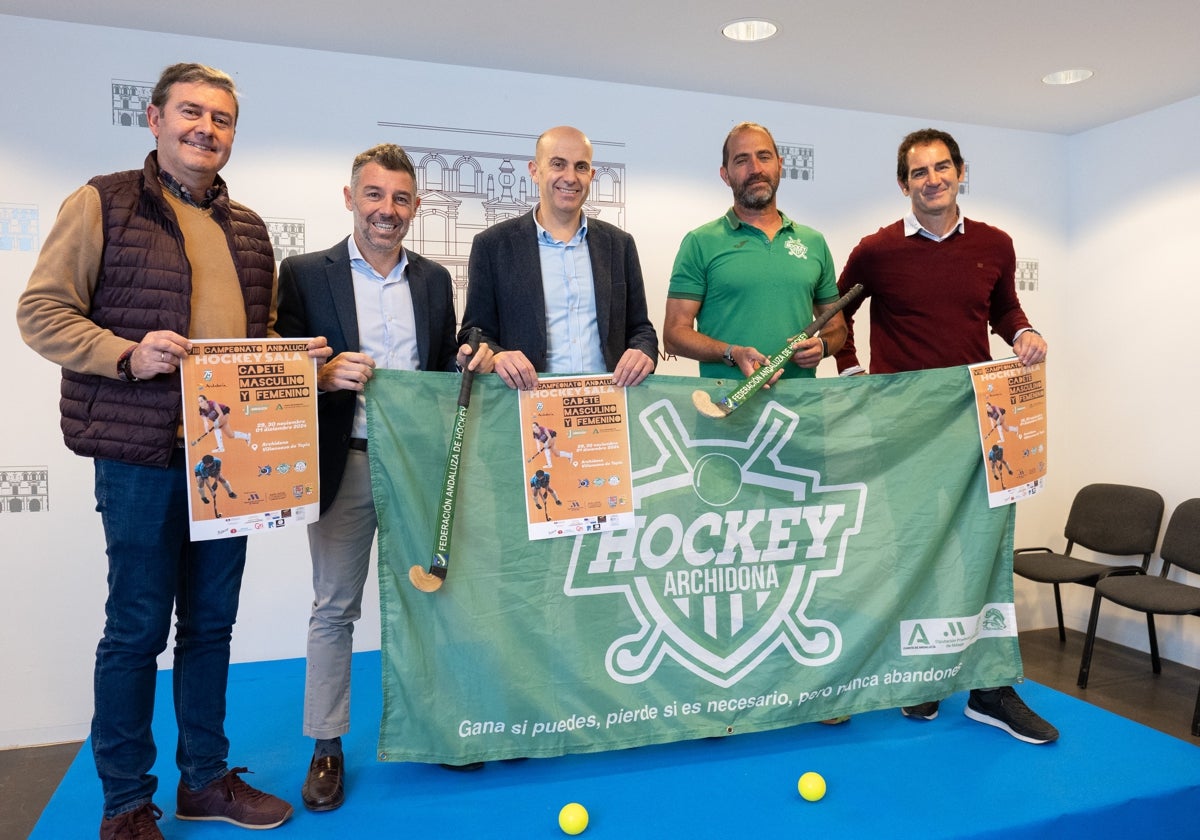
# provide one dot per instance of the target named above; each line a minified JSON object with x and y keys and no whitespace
{"x":124,"y":370}
{"x":728,"y":356}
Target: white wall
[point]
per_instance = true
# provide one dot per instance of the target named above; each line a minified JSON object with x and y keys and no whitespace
{"x":306,"y":113}
{"x":1126,"y":359}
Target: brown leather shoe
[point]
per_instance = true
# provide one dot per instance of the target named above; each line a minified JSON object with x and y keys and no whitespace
{"x":138,"y":824}
{"x":324,"y":788}
{"x":229,"y":799}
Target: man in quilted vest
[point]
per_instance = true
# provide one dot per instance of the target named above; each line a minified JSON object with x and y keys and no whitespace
{"x":138,"y":263}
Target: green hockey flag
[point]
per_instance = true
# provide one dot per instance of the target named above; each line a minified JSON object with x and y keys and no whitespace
{"x":826,"y":549}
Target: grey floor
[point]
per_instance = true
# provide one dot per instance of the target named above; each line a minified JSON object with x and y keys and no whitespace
{"x":1121,"y":682}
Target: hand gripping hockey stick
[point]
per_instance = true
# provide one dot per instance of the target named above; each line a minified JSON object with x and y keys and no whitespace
{"x":732,"y":401}
{"x":432,"y":580}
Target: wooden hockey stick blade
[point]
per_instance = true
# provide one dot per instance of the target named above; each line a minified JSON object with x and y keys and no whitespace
{"x":705,"y":405}
{"x":423,"y":580}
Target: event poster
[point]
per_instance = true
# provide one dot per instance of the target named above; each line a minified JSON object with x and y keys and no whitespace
{"x":1010,"y":401}
{"x":250,"y":430}
{"x":575,"y":445}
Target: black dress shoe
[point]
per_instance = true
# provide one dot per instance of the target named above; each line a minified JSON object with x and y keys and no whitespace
{"x":324,"y":789}
{"x":469,"y":767}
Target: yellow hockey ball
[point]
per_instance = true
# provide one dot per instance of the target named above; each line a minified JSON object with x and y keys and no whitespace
{"x":811,"y":786}
{"x":573,"y":818}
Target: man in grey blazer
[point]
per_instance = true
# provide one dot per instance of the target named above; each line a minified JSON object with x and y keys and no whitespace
{"x":378,"y":305}
{"x":554,"y":291}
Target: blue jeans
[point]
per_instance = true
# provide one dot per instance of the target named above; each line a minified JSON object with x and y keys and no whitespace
{"x":153,"y":568}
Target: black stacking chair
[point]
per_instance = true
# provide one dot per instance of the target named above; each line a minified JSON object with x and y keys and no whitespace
{"x":1113,"y":519}
{"x":1153,"y":594}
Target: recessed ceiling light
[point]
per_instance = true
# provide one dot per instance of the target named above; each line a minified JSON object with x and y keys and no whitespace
{"x":749,"y":29}
{"x":1068,"y":77}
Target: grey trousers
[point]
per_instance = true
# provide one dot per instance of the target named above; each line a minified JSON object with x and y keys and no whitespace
{"x":340,"y":544}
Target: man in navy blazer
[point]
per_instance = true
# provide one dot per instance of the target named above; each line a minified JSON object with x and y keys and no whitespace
{"x":316,"y":296}
{"x":378,"y":305}
{"x":554,"y":291}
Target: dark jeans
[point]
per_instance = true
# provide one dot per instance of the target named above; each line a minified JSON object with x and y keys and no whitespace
{"x":153,"y":568}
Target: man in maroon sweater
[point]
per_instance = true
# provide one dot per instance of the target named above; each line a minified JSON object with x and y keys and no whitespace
{"x":936,"y":281}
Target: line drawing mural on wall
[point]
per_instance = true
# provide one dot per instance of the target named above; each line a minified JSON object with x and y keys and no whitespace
{"x":465,"y":190}
{"x":24,"y":489}
{"x":19,"y":227}
{"x":1027,"y":275}
{"x":287,"y":236}
{"x":129,"y":101}
{"x":799,"y":161}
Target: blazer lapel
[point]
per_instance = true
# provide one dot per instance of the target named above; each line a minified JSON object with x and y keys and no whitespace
{"x":526,"y":294}
{"x":419,"y":287}
{"x":340,"y":278}
{"x":600,"y":254}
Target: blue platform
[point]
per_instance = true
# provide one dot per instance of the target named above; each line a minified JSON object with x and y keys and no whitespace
{"x":887,"y":776}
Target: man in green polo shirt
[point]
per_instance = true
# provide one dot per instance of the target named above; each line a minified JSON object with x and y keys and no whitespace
{"x":745,"y":283}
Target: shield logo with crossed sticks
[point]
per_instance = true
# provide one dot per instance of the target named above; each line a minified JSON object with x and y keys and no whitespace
{"x":729,"y":545}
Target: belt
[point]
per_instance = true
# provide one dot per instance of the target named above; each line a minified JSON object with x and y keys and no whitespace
{"x":358,"y":443}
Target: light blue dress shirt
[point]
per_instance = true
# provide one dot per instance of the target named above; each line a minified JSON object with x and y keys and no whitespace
{"x":572,"y":332}
{"x":387,"y":326}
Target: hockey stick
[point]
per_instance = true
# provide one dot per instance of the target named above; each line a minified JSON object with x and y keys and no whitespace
{"x":432,"y":580}
{"x":535,"y":454}
{"x":732,"y":401}
{"x":202,"y":437}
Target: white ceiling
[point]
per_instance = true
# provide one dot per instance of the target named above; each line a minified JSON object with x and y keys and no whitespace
{"x":975,"y":61}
